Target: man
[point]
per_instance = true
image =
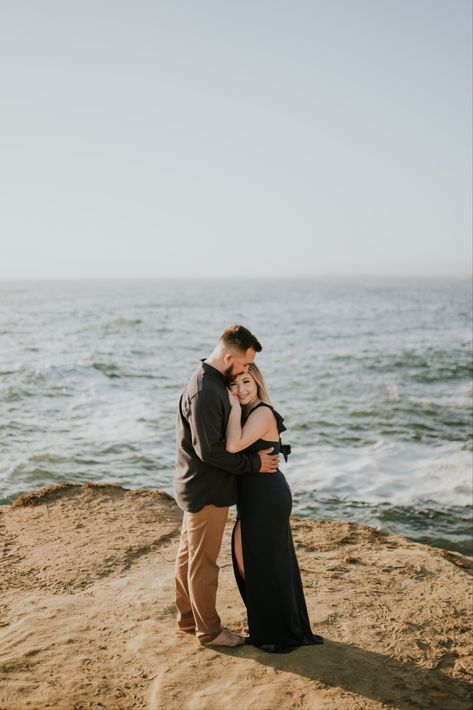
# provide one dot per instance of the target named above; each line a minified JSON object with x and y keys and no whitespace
{"x":205,"y":483}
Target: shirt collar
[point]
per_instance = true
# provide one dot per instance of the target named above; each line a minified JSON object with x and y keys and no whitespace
{"x":213,"y":372}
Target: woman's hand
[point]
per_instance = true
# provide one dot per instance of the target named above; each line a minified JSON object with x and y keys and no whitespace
{"x":233,"y":431}
{"x":233,"y":399}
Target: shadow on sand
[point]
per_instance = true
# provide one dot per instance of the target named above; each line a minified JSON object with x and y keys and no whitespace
{"x":402,"y":684}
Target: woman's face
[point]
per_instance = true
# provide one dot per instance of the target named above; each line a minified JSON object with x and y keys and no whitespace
{"x":245,"y":387}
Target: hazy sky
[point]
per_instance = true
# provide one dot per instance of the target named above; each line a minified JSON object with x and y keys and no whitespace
{"x":242,"y":137}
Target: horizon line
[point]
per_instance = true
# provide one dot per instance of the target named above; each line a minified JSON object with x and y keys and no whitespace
{"x":293,"y":277}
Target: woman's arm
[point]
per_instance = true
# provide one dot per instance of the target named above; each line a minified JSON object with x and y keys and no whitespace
{"x":256,"y":426}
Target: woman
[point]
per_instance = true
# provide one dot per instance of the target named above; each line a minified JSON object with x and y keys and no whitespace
{"x":264,"y":559}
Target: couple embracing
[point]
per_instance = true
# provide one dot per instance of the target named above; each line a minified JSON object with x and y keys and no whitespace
{"x":228,"y":447}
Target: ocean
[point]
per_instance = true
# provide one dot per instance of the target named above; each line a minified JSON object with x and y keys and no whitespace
{"x":372,"y":375}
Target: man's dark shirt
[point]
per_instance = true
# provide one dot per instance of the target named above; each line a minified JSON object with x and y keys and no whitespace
{"x":205,"y":471}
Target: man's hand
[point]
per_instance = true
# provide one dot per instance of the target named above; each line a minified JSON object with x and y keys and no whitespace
{"x":269,"y":461}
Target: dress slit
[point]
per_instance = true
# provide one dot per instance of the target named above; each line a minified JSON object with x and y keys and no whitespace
{"x":239,"y":579}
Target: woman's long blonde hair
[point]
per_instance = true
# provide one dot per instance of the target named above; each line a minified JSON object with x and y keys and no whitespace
{"x":261,"y":390}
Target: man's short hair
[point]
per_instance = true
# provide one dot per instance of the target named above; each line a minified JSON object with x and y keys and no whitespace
{"x":240,"y":338}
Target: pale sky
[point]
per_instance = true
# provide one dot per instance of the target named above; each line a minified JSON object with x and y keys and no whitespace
{"x":234,"y":138}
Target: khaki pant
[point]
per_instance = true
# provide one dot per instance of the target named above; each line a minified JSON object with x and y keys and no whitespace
{"x":197,"y":572}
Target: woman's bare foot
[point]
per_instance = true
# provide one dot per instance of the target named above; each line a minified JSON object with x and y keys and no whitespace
{"x":226,"y":638}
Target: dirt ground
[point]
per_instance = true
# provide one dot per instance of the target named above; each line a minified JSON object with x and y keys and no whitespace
{"x":87,"y":615}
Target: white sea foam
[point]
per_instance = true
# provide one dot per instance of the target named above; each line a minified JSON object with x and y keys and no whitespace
{"x":400,"y":473}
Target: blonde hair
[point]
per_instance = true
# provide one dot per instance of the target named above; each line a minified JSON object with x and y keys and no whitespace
{"x":261,"y":391}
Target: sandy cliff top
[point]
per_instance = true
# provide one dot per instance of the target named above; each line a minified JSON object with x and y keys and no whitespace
{"x":87,"y":617}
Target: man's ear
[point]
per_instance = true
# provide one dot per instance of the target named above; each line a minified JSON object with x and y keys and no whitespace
{"x":228,"y":357}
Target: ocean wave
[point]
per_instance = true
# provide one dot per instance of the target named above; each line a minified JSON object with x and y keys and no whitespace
{"x":107,"y":368}
{"x":15,"y":393}
{"x":124,"y":321}
{"x":438,"y":366}
{"x":399,"y":472}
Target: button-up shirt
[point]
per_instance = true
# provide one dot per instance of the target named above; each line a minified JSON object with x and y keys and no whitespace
{"x":205,"y":471}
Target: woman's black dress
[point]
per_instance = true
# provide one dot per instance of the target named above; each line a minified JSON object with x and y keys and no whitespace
{"x":272,"y":588}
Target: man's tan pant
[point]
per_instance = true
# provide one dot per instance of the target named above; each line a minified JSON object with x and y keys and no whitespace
{"x":197,"y":572}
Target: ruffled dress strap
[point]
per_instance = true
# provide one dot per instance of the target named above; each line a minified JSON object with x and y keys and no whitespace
{"x":285,"y":449}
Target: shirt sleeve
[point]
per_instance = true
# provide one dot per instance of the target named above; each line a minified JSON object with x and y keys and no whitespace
{"x":206,"y":419}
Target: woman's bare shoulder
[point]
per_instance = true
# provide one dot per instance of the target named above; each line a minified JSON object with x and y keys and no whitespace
{"x":263,"y":417}
{"x":261,"y":414}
